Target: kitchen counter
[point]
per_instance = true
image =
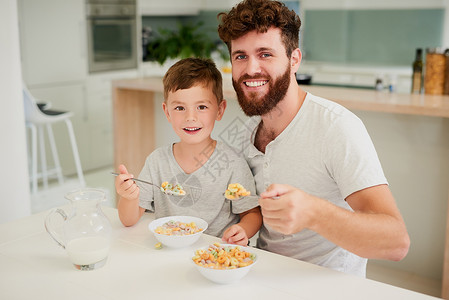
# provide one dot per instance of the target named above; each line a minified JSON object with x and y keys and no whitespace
{"x":35,"y":267}
{"x":357,"y":99}
{"x":134,"y":113}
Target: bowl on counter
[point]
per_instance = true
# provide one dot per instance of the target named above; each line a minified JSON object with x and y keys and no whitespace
{"x":181,"y":240}
{"x":224,"y":276}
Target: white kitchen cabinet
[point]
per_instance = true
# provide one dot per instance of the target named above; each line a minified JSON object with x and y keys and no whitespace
{"x":54,"y":62}
{"x":219,"y":4}
{"x":169,"y":8}
{"x":68,"y":98}
{"x":99,"y":107}
{"x":54,"y":68}
{"x":369,"y":4}
{"x":53,"y":41}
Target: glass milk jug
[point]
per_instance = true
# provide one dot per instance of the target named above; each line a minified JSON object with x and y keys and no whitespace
{"x":85,"y":232}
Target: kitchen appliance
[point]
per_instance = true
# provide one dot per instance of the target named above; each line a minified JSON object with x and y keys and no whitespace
{"x":305,"y":79}
{"x":111,"y":31}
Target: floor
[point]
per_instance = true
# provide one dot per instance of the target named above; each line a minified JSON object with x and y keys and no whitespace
{"x":103,"y":179}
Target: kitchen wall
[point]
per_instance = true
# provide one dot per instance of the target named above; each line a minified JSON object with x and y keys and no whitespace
{"x":14,"y":184}
{"x":369,"y":40}
{"x":370,"y":37}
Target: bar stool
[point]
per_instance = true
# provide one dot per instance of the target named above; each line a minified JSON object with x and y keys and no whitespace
{"x":36,"y":119}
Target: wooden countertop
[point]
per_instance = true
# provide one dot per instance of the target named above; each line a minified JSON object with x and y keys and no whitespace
{"x":356,"y":99}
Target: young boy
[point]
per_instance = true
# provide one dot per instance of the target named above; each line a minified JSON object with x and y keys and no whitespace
{"x":204,"y":167}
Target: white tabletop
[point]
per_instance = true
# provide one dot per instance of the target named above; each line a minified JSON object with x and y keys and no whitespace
{"x":33,"y":266}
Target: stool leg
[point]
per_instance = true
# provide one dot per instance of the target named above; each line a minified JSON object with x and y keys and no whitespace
{"x":43,"y":156}
{"x":76,"y":157}
{"x":34,"y":157}
{"x":51,"y":138}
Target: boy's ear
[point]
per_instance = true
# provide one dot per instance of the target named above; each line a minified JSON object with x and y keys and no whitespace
{"x":165,"y":108}
{"x":221,"y":109}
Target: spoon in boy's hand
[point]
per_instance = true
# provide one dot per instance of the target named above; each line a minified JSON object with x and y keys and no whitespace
{"x":166,"y":187}
{"x":236,"y":191}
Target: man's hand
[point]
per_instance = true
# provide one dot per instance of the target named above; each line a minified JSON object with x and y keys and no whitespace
{"x":287,"y":209}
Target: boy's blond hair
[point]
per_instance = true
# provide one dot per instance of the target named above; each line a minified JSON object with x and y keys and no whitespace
{"x":190,"y":72}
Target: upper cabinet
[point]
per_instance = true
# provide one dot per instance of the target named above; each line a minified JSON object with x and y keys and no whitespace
{"x":219,"y":4}
{"x":182,"y":7}
{"x":169,"y":8}
{"x":53,"y":41}
{"x":369,"y":4}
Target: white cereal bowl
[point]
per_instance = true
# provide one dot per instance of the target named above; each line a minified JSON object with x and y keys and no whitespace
{"x":177,"y":241}
{"x":226,"y":276}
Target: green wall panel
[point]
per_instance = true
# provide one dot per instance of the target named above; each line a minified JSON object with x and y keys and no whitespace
{"x":374,"y":37}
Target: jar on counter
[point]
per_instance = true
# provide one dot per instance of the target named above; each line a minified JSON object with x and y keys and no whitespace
{"x":446,"y":77}
{"x":435,"y":71}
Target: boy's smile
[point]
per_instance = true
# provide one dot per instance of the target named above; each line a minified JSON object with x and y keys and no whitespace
{"x":192,"y":130}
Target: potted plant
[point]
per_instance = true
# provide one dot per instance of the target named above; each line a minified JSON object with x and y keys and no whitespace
{"x":190,"y":40}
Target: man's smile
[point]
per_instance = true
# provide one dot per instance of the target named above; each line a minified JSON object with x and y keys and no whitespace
{"x":255,"y":83}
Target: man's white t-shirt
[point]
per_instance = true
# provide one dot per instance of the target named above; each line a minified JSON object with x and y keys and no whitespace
{"x":326,"y":152}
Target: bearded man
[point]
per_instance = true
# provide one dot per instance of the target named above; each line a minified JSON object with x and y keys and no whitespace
{"x":323,"y":194}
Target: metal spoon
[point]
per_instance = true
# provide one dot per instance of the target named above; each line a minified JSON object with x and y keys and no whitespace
{"x":140,"y":180}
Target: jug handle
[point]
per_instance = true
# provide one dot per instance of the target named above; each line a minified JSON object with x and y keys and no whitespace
{"x":48,"y":227}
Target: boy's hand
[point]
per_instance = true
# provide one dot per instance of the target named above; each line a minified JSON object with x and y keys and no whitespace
{"x":125,"y":187}
{"x":235,"y":235}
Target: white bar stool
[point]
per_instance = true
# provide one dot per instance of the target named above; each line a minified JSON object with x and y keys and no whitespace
{"x":36,"y":120}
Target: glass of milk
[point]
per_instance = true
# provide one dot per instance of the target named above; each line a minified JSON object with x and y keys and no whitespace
{"x":85,"y":233}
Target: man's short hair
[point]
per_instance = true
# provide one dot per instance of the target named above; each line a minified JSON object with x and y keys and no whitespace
{"x":260,"y":15}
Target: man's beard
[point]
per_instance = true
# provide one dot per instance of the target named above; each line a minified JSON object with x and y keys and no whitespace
{"x":258,"y":106}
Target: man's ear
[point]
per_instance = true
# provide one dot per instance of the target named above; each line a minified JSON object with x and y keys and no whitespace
{"x":221,"y":109}
{"x":165,"y":108}
{"x":295,"y":60}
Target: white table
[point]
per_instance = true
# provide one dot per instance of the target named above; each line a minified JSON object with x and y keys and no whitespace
{"x":33,"y":266}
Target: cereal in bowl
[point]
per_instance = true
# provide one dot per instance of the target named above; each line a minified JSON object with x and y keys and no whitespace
{"x":223,"y":257}
{"x":178,"y":228}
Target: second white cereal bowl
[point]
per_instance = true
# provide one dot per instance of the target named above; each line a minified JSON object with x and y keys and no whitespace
{"x":177,"y":241}
{"x":226,"y":276}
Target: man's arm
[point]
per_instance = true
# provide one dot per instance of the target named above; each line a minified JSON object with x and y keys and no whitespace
{"x":375,"y":229}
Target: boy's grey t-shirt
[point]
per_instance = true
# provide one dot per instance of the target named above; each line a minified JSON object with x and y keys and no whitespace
{"x":204,"y":188}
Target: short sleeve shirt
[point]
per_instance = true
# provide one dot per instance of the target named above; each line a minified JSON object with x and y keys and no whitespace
{"x":204,"y":188}
{"x":326,"y":152}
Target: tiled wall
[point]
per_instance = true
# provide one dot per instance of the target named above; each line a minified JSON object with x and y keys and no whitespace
{"x":375,"y":37}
